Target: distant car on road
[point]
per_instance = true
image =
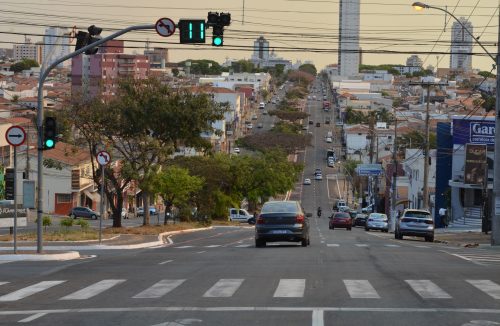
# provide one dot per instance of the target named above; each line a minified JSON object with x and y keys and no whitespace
{"x":262,"y":105}
{"x":140,"y":211}
{"x":260,"y":125}
{"x":239,"y":215}
{"x":264,"y":112}
{"x":415,"y":222}
{"x":340,"y":220}
{"x":318,"y":176}
{"x":236,"y":150}
{"x":367,"y":209}
{"x":307,"y":181}
{"x":254,"y":117}
{"x":329,"y":139}
{"x":85,"y":212}
{"x":377,"y":221}
{"x":359,"y":220}
{"x":282,"y":221}
{"x":311,"y":122}
{"x":318,"y":124}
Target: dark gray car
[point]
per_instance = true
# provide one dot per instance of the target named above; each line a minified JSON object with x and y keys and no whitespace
{"x":282,"y":221}
{"x":83,"y":212}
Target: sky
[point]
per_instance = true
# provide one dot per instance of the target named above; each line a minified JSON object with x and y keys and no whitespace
{"x":296,"y":29}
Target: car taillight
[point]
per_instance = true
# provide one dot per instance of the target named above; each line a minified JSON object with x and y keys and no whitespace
{"x":260,"y":220}
{"x":370,"y":219}
{"x":429,"y":222}
{"x":299,"y":219}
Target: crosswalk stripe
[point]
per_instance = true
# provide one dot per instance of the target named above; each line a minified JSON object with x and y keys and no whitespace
{"x":2,"y":283}
{"x":224,"y":288}
{"x":159,"y":289}
{"x":29,"y":290}
{"x":423,"y":247}
{"x":290,"y":288}
{"x":212,"y":246}
{"x":427,"y":289}
{"x":487,"y":286}
{"x":332,"y":245}
{"x":361,"y":289}
{"x":183,"y":247}
{"x":243,"y":246}
{"x":92,"y":290}
{"x":392,"y":245}
{"x":361,"y":245}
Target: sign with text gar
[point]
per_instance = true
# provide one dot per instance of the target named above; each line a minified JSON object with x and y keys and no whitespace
{"x":475,"y":164}
{"x":472,"y":130}
{"x":369,"y":169}
{"x":7,"y":215}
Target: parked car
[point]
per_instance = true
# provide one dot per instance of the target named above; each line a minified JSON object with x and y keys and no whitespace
{"x":282,"y":221}
{"x":367,"y":209}
{"x":318,"y":176}
{"x":307,"y":181}
{"x":85,"y":212}
{"x":260,"y":125}
{"x":415,"y":222}
{"x":254,"y":117}
{"x":262,"y":105}
{"x":359,"y":220}
{"x":377,"y":221}
{"x":140,"y":211}
{"x":239,"y":215}
{"x":237,"y":150}
{"x":340,"y":220}
{"x":318,"y":124}
{"x":329,"y":139}
{"x":311,"y":122}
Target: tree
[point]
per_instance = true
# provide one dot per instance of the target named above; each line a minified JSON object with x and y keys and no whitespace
{"x":24,"y":64}
{"x":175,"y":72}
{"x":289,"y":143}
{"x":289,"y":115}
{"x":176,"y":187}
{"x":243,"y":66}
{"x":309,"y":68}
{"x":486,"y":74}
{"x":142,"y":125}
{"x":416,"y":139}
{"x":203,"y":67}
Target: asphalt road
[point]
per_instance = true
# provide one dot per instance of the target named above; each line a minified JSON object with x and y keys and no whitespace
{"x":218,"y":277}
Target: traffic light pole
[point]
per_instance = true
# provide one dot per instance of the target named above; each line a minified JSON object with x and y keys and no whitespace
{"x":39,"y":119}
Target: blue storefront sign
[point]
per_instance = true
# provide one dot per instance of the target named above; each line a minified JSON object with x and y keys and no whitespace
{"x":474,"y":130}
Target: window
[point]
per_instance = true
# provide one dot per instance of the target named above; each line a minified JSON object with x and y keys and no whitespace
{"x":63,"y":198}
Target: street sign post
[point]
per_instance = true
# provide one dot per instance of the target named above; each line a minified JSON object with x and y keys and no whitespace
{"x":165,"y":27}
{"x":15,"y":136}
{"x":103,"y":158}
{"x":369,"y":169}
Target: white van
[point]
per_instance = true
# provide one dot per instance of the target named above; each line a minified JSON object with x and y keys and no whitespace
{"x":329,"y":134}
{"x":239,"y":215}
{"x":262,"y":105}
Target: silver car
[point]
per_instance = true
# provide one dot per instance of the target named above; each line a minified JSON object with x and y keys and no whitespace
{"x":377,"y":221}
{"x":415,"y":222}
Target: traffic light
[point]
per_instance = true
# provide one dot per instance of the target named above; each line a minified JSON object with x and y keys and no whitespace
{"x":49,"y":133}
{"x":191,"y":31}
{"x":83,"y":39}
{"x":218,"y":21}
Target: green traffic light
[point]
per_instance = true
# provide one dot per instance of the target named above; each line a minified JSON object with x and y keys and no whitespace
{"x":217,"y":41}
{"x":49,"y":143}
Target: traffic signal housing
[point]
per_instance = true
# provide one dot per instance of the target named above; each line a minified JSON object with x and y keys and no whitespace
{"x":49,"y":133}
{"x":83,"y":39}
{"x":192,"y":31}
{"x":218,"y":21}
{"x":218,"y":35}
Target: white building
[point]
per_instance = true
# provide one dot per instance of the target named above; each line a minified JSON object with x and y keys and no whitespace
{"x":461,"y":45}
{"x":260,"y":49}
{"x":56,"y":45}
{"x":358,"y":140}
{"x":414,"y":170}
{"x":349,"y":52}
{"x":26,"y":51}
{"x":414,"y":61}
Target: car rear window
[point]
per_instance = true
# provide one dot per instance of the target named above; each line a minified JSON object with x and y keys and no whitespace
{"x":342,"y":215}
{"x":378,"y":216}
{"x":279,"y":207}
{"x":418,"y":215}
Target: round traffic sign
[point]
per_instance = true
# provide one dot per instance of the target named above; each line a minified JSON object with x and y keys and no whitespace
{"x":103,"y":158}
{"x":15,"y":135}
{"x":165,"y":27}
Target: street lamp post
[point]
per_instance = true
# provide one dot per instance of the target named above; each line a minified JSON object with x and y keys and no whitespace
{"x":495,"y":225}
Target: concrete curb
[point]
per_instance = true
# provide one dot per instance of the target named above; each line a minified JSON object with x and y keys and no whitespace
{"x":69,"y":255}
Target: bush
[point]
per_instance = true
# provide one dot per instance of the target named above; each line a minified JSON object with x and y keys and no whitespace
{"x":83,"y":224}
{"x":66,"y":222}
{"x":46,"y":221}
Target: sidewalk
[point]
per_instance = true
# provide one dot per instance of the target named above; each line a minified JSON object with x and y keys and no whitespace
{"x":65,"y":250}
{"x":464,"y":236}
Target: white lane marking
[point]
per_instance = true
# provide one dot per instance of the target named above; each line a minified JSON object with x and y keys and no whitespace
{"x":243,"y":246}
{"x":92,"y":290}
{"x":165,"y":262}
{"x":200,"y":252}
{"x":322,"y":241}
{"x":183,"y":247}
{"x":29,"y":290}
{"x":426,"y":247}
{"x":361,"y":289}
{"x":212,"y":246}
{"x":490,"y":288}
{"x":159,"y":289}
{"x":464,"y":258}
{"x":332,"y":245}
{"x":290,"y":288}
{"x":2,"y":283}
{"x":392,"y":245}
{"x":318,"y":317}
{"x":224,"y":288}
{"x":361,"y":245}
{"x":32,"y":317}
{"x":6,"y":261}
{"x":427,"y":289}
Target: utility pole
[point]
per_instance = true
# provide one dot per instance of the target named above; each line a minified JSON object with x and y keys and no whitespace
{"x":427,"y":143}
{"x":394,"y":174}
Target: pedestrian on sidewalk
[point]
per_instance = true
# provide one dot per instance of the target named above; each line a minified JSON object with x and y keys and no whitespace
{"x":443,"y":216}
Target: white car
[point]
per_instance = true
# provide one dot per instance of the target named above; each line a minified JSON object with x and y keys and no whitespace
{"x":307,"y":181}
{"x":318,"y":176}
{"x":236,"y":150}
{"x":329,"y":139}
{"x":249,"y":126}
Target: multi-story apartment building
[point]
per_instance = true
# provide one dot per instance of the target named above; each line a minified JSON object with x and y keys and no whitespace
{"x":349,"y":53}
{"x":461,"y":45}
{"x":99,"y":73}
{"x":158,"y":57}
{"x":55,"y":46}
{"x":26,"y":51}
{"x":414,"y":61}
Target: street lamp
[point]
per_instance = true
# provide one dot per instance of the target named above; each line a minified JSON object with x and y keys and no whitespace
{"x":495,"y":225}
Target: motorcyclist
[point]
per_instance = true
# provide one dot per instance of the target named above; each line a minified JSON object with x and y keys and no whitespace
{"x":319,"y":211}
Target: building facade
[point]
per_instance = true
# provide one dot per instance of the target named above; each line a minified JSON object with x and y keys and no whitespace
{"x":461,"y":45}
{"x":26,"y":51}
{"x":414,"y":61}
{"x":349,"y":57}
{"x":158,"y":57}
{"x":260,"y":49}
{"x":55,"y":46}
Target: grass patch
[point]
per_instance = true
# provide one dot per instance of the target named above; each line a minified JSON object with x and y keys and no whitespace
{"x":70,"y":235}
{"x":228,"y":223}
